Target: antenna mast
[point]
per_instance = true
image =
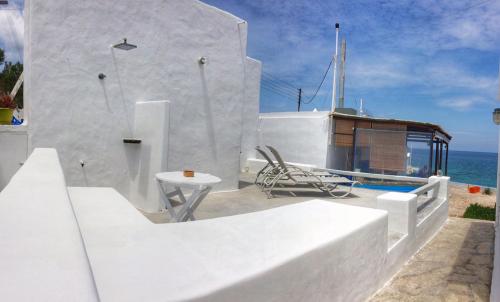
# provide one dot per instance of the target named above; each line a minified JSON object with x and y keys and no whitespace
{"x":334,"y":88}
{"x":342,"y":74}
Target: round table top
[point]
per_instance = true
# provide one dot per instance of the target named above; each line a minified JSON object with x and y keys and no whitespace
{"x":178,"y":178}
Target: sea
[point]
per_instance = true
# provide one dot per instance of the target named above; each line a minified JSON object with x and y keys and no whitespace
{"x":474,"y":168}
{"x":478,"y":168}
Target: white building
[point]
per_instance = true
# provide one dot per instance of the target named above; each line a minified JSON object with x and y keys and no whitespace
{"x":199,"y":124}
{"x":355,"y":143}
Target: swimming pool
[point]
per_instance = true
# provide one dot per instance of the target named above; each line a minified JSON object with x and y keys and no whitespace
{"x":392,"y":188}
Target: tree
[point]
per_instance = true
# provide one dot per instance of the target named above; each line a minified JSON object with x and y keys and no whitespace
{"x":9,"y":76}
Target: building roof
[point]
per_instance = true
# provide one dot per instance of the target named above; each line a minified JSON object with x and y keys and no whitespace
{"x":434,"y":127}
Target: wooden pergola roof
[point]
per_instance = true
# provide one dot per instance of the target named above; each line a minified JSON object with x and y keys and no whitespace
{"x":413,"y":124}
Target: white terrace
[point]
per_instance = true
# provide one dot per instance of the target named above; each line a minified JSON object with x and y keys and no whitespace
{"x":100,"y":247}
{"x":83,"y":220}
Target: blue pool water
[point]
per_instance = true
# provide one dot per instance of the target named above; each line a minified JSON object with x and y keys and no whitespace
{"x":404,"y":189}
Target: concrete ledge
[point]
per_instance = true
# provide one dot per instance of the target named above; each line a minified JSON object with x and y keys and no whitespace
{"x":402,"y":209}
{"x":312,"y":251}
{"x":42,"y":257}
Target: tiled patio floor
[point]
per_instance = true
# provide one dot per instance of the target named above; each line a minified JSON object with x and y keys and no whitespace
{"x":249,"y":198}
{"x":454,"y":266}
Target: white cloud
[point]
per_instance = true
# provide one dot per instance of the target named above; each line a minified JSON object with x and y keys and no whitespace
{"x":462,"y":103}
{"x":12,"y":34}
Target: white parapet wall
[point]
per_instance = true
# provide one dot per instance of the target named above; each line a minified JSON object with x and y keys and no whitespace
{"x":42,"y":257}
{"x":90,"y":244}
{"x":68,"y":44}
{"x":300,"y":137}
{"x":414,"y":226}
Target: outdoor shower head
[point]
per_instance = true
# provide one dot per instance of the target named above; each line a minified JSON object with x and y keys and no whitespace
{"x":124,"y":45}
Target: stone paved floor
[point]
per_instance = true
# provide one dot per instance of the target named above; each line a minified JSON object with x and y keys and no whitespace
{"x":455,"y":266}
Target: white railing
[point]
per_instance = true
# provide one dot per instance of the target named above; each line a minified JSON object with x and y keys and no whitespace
{"x":375,"y":176}
{"x":431,"y":189}
{"x":405,"y":210}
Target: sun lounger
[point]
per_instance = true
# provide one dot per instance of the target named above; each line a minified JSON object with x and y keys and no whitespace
{"x":293,"y":175}
{"x":269,"y":170}
{"x":272,"y":168}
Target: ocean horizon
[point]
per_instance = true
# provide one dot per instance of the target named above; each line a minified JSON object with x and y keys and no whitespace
{"x":472,"y":167}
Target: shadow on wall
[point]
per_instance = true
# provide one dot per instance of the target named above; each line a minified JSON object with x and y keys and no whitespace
{"x":208,"y":110}
{"x":139,"y":163}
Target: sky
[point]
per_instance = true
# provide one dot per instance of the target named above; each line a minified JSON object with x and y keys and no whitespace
{"x":425,"y":60}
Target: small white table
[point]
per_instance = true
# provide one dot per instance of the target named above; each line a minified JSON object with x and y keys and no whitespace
{"x":201,"y":184}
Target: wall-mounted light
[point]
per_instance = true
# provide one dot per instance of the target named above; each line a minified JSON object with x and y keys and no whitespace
{"x":203,"y":60}
{"x":496,"y":116}
{"x":125,"y":45}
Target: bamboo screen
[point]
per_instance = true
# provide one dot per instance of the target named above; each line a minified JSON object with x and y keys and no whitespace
{"x":385,"y":150}
{"x":343,"y":133}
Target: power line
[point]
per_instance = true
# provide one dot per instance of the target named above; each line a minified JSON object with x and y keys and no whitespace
{"x":278,"y":83}
{"x":274,"y":86}
{"x":270,"y":76}
{"x":290,"y":97}
{"x":321,"y":84}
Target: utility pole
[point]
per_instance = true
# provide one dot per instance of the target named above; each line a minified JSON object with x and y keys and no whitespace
{"x":300,"y":100}
{"x":337,"y":27}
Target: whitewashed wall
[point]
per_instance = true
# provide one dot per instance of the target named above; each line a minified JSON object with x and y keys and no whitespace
{"x":300,"y":137}
{"x":317,"y":250}
{"x":148,"y":158}
{"x":253,"y":73}
{"x":68,"y":45}
{"x":42,"y":256}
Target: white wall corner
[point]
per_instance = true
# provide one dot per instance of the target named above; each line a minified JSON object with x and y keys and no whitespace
{"x":150,"y":156}
{"x":402,"y":208}
{"x":444,"y":182}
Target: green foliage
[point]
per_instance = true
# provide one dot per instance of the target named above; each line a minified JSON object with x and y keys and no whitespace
{"x":8,"y":78}
{"x":476,"y":211}
{"x":487,"y":191}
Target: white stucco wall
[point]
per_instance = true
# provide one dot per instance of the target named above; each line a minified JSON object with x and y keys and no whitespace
{"x":151,"y":126}
{"x":316,"y":250}
{"x":42,"y":257}
{"x":300,"y":137}
{"x":68,"y":45}
{"x":253,"y":71}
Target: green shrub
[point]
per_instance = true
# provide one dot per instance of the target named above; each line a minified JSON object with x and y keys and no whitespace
{"x":487,"y":191}
{"x":476,"y":211}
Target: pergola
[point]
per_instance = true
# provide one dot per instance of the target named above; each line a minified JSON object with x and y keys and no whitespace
{"x":380,"y":144}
